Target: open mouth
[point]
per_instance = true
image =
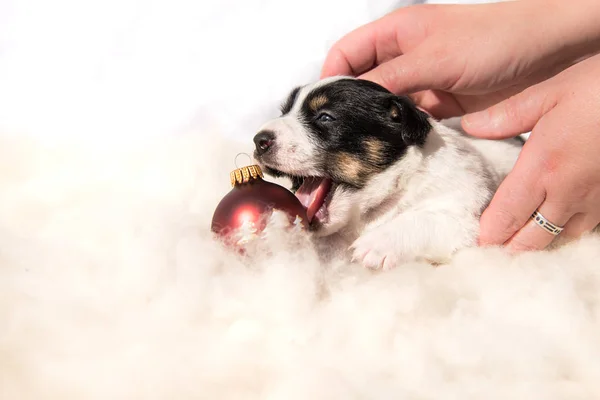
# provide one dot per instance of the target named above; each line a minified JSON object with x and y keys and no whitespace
{"x":314,"y":193}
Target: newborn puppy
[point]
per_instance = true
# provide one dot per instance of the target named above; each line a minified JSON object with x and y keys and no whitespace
{"x":381,"y":180}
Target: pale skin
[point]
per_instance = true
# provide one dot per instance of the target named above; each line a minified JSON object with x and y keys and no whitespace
{"x":506,"y":69}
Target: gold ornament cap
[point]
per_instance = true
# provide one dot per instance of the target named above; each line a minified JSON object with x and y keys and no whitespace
{"x":246,"y":174}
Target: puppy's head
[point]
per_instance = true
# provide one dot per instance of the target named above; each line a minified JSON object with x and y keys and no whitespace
{"x":332,"y":137}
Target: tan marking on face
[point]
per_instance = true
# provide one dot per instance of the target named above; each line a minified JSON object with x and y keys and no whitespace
{"x":350,"y":168}
{"x":317,"y":102}
{"x":374,"y":149}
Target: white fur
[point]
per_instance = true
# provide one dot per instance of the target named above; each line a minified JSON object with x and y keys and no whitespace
{"x":111,"y":287}
{"x":296,"y":152}
{"x":295,"y":148}
{"x":438,"y":193}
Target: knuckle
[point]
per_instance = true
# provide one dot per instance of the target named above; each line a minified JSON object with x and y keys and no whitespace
{"x":563,"y":206}
{"x":507,"y":220}
{"x":499,"y":225}
{"x":581,"y":193}
{"x":567,"y":207}
{"x":415,"y":12}
{"x":566,"y":199}
{"x":550,"y":164}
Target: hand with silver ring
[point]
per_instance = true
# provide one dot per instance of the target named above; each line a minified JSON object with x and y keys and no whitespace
{"x":555,"y":183}
{"x":459,"y":59}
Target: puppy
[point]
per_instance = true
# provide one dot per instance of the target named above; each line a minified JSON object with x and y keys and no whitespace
{"x":381,"y":181}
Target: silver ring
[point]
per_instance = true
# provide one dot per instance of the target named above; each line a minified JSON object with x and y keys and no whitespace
{"x":545,"y":224}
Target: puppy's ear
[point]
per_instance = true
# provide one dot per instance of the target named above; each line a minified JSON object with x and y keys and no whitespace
{"x":412,"y":122}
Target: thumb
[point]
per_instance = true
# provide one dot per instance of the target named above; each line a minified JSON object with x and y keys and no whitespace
{"x":409,"y":73}
{"x":513,"y":116}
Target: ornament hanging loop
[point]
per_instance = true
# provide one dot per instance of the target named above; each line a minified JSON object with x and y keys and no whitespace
{"x":241,"y":154}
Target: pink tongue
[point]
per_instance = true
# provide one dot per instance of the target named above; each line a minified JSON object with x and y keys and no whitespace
{"x":312,"y":194}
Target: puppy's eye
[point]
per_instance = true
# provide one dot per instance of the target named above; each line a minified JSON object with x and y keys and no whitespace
{"x":324,"y":117}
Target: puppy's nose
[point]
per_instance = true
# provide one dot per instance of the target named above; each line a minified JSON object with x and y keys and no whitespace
{"x":264,"y":141}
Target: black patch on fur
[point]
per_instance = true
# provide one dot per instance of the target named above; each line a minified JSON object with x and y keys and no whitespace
{"x":289,"y":102}
{"x":414,"y":121}
{"x":362,"y":113}
{"x":520,"y":139}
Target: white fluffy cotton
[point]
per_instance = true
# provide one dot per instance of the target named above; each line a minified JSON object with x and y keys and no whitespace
{"x":112,"y":287}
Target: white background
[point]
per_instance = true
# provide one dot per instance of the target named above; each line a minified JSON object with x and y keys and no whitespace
{"x":115,"y":70}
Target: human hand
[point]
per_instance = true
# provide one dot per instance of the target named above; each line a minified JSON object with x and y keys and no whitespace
{"x":455,"y":59}
{"x":558,"y":170}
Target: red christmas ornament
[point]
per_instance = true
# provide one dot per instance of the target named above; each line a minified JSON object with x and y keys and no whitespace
{"x":245,"y":211}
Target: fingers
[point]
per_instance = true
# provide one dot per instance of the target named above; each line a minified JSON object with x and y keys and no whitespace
{"x":532,"y":236}
{"x":513,"y":116}
{"x":409,"y":73}
{"x":518,"y":196}
{"x":382,"y":51}
{"x":365,"y":47}
{"x":352,"y":55}
{"x":580,"y":224}
{"x":530,"y":187}
{"x":439,"y":104}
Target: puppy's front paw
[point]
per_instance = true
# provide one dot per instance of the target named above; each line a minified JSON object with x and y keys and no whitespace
{"x":375,"y":251}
